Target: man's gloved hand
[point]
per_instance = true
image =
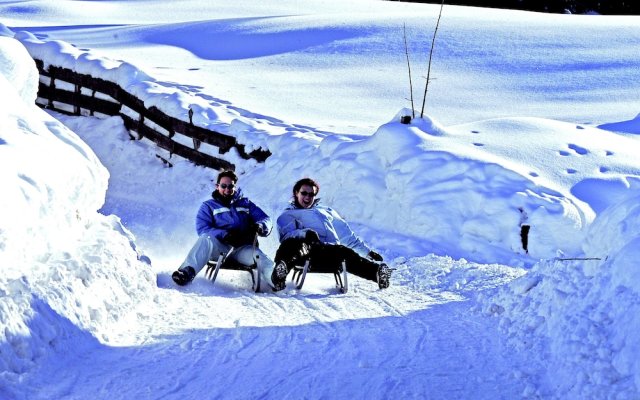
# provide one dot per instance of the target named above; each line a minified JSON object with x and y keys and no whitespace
{"x":311,"y":237}
{"x":374,"y":256}
{"x":232,"y":237}
{"x":262,"y":229}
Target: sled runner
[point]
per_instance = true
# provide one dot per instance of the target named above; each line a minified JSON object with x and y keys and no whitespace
{"x":214,"y":266}
{"x":339,"y":273}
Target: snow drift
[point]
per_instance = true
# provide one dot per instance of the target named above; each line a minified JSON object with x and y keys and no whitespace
{"x":63,"y":265}
{"x":581,"y":316}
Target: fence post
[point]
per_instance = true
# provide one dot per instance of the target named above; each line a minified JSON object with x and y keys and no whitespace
{"x":196,"y":142}
{"x":93,"y":98}
{"x":140,"y":126}
{"x":76,"y":107}
{"x":52,"y":87}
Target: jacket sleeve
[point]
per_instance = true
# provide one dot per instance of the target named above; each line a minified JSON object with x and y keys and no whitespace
{"x":260,"y":217}
{"x":288,"y":227}
{"x":347,"y":237}
{"x":205,"y":223}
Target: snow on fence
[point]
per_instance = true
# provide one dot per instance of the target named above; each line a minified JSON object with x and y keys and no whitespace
{"x":66,"y":91}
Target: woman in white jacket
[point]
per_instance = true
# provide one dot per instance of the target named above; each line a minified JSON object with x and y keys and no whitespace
{"x":310,"y":230}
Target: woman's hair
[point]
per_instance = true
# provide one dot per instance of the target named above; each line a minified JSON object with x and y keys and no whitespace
{"x":308,"y":182}
{"x":229,"y":174}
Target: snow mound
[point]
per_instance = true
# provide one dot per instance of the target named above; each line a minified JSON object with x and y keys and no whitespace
{"x":64,"y":266}
{"x":581,"y":316}
{"x":4,"y":31}
{"x":410,"y":173}
{"x":17,"y":63}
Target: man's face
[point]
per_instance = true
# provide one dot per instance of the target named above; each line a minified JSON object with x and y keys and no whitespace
{"x":226,"y":187}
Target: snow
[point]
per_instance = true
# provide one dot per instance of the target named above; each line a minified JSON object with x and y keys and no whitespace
{"x":532,"y":119}
{"x":588,"y":308}
{"x":57,"y":252}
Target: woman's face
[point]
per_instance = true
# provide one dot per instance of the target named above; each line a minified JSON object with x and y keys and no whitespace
{"x":305,"y":196}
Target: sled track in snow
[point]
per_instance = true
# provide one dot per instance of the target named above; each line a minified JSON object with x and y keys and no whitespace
{"x":232,"y":343}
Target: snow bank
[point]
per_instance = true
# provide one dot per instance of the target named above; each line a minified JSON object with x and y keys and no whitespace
{"x":4,"y":31}
{"x":19,"y":66}
{"x":582,"y":317}
{"x":64,"y":267}
{"x":404,"y":181}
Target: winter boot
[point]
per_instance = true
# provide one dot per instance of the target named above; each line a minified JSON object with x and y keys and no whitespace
{"x":183,"y":276}
{"x":384,"y":276}
{"x":279,"y":276}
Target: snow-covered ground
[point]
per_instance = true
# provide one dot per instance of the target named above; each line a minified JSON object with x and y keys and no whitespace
{"x":531,"y":119}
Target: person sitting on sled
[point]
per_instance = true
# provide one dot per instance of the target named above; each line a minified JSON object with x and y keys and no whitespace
{"x":227,"y":221}
{"x":309,"y":230}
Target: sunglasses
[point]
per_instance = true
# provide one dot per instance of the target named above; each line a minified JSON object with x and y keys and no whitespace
{"x":305,"y":194}
{"x":224,"y":185}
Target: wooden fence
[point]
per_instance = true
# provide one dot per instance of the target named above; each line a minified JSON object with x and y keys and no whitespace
{"x":69,"y":92}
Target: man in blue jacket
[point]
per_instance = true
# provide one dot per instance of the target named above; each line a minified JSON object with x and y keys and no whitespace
{"x":227,"y":221}
{"x":310,"y":230}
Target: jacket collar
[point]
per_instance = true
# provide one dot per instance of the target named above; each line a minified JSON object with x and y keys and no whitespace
{"x":236,"y":196}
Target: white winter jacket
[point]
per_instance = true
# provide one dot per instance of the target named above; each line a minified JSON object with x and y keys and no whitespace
{"x":294,"y":222}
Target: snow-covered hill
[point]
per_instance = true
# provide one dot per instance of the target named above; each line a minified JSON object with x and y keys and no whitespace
{"x":469,"y":314}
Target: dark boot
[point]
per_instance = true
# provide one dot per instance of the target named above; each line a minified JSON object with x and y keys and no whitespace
{"x":279,"y":276}
{"x":183,"y":276}
{"x":384,"y":276}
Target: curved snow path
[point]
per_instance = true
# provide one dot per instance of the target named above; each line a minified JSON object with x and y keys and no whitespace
{"x":224,"y":341}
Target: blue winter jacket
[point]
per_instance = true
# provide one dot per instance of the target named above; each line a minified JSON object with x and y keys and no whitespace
{"x":217,"y":219}
{"x":294,"y":222}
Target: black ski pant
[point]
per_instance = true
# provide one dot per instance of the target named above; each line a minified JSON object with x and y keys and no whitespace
{"x":326,"y":257}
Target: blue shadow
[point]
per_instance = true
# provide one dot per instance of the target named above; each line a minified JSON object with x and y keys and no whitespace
{"x":364,"y":358}
{"x":237,"y":39}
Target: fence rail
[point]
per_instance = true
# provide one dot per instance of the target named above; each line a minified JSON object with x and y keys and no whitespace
{"x":69,"y":92}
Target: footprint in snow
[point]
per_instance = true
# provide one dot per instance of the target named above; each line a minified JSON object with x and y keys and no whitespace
{"x":580,"y":150}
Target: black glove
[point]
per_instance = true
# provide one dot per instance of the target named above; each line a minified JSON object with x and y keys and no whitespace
{"x":374,"y":256}
{"x":311,"y":237}
{"x":261,"y":229}
{"x":232,"y":237}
